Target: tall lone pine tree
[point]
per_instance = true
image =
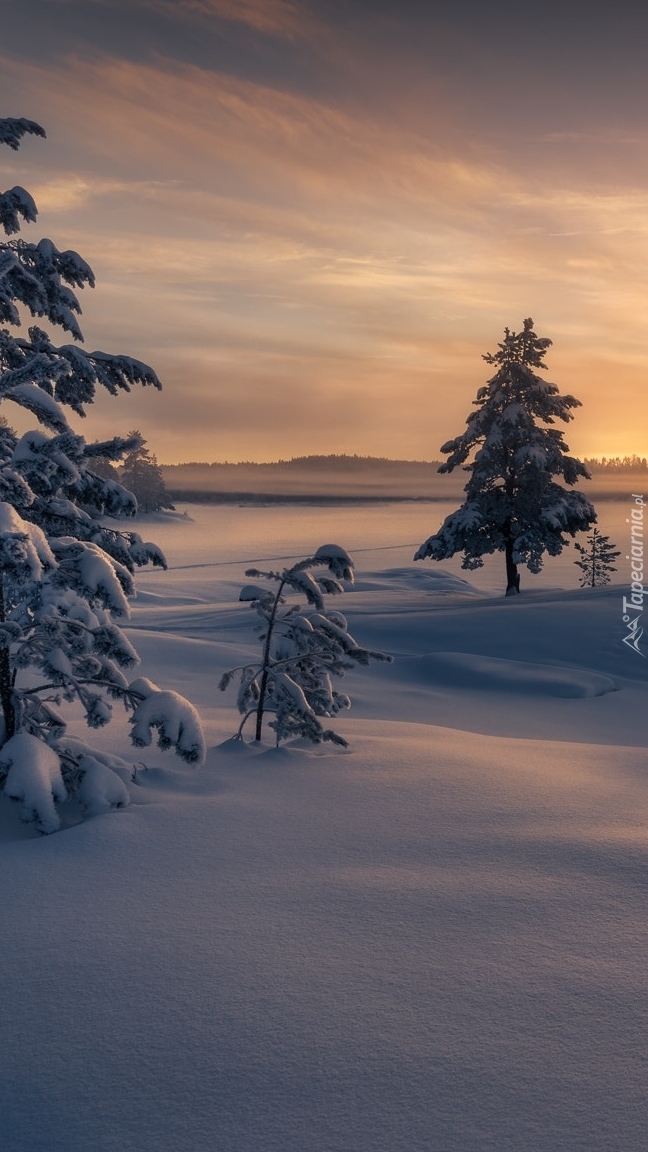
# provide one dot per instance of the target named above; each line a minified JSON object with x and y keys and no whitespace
{"x":65,"y":576}
{"x":513,"y":502}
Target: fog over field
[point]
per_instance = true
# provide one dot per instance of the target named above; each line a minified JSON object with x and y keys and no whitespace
{"x":355,"y":478}
{"x":336,"y":477}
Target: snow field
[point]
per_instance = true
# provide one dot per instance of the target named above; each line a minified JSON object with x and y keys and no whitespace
{"x":434,"y":940}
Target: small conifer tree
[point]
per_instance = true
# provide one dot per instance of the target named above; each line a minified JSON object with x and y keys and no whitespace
{"x":302,"y":647}
{"x":597,"y":560}
{"x":514,"y":503}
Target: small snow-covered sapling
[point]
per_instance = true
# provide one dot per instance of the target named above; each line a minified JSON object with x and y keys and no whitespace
{"x":303,"y":646}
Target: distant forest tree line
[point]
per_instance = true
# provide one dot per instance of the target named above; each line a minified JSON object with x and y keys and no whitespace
{"x":308,"y":477}
{"x":342,"y":478}
{"x":331,"y":461}
{"x":335,"y":461}
{"x":616,"y":464}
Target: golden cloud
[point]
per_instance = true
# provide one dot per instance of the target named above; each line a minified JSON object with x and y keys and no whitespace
{"x":254,"y":238}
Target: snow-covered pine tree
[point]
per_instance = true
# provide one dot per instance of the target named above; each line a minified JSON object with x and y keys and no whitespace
{"x":597,"y":560}
{"x":513,"y":502}
{"x":65,"y":575}
{"x":302,"y":647}
{"x":141,"y":474}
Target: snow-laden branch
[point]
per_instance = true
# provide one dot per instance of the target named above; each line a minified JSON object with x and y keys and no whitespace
{"x":175,"y":719}
{"x":12,"y":130}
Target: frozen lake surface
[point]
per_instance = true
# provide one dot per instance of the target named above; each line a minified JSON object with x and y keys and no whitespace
{"x":375,"y":535}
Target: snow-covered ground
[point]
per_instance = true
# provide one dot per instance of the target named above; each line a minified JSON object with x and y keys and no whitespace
{"x":434,"y":940}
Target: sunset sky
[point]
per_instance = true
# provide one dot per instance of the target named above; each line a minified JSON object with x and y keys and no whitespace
{"x":312,"y":217}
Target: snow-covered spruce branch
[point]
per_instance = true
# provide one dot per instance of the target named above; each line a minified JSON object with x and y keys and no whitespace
{"x":302,"y":647}
{"x":65,"y":575}
{"x":175,"y":719}
{"x":12,"y":130}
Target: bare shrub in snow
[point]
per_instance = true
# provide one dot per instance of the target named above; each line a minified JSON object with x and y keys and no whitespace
{"x":513,"y":503}
{"x":302,"y":648}
{"x":65,"y":576}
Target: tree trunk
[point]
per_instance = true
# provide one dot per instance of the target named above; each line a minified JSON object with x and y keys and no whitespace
{"x":6,"y":687}
{"x":266,"y":664}
{"x":512,"y":574}
{"x":262,"y":694}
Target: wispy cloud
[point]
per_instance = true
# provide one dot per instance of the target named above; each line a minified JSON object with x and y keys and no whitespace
{"x":283,"y":258}
{"x":287,"y":18}
{"x":277,"y":17}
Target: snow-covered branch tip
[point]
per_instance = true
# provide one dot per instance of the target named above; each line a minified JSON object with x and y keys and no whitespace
{"x":12,"y":130}
{"x":303,"y":647}
{"x":176,"y":720}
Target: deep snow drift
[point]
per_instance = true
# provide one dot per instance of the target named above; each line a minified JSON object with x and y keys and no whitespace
{"x":434,"y":940}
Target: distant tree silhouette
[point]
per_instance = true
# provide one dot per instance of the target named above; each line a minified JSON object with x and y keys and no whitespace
{"x":617,"y":464}
{"x":105,"y":468}
{"x":141,"y":474}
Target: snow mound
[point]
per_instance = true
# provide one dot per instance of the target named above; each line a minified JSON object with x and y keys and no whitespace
{"x":158,"y":599}
{"x":466,"y":670}
{"x":34,"y":776}
{"x":101,"y":789}
{"x":252,"y":592}
{"x":436,"y":581}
